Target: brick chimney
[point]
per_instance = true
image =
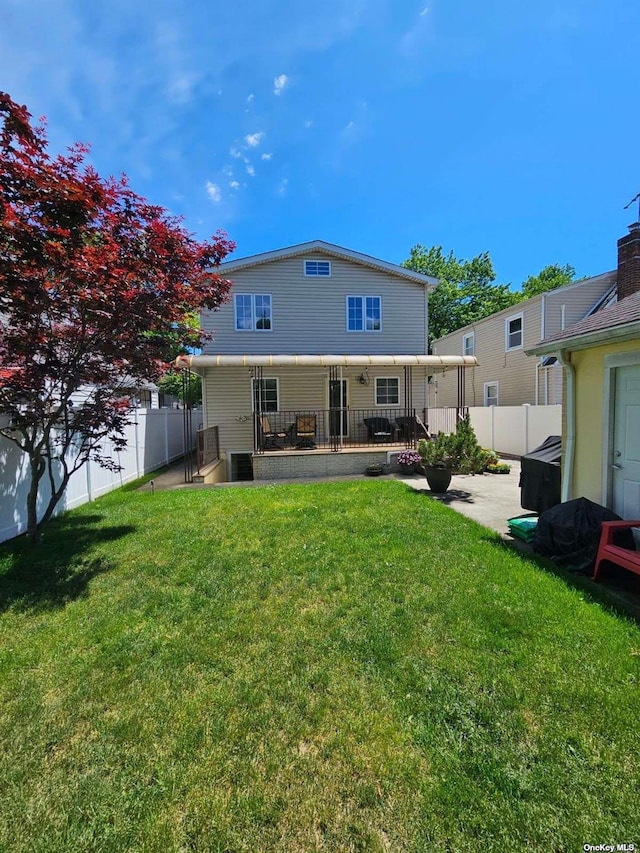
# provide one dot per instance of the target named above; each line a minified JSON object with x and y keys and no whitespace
{"x":629,"y":262}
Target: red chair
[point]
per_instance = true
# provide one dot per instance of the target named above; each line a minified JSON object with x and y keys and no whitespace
{"x":624,"y":557}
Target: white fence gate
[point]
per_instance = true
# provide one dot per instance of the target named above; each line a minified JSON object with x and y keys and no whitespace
{"x":514,"y":430}
{"x":154,"y":438}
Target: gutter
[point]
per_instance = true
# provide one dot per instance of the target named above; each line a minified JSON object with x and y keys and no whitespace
{"x":570,"y":435}
{"x":627,"y":331}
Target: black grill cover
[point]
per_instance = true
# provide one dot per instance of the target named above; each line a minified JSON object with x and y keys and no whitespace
{"x":540,"y":476}
{"x":570,"y":533}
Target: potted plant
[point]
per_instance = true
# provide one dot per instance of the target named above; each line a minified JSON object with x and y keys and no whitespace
{"x":438,"y":459}
{"x":408,"y":460}
{"x":459,"y":452}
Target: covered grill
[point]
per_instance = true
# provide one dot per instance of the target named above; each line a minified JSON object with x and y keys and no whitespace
{"x":540,"y":476}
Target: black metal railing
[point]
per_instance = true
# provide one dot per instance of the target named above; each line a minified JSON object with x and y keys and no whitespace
{"x":207,"y":447}
{"x":335,"y":429}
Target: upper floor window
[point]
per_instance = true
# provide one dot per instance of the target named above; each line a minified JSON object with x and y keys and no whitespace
{"x":253,"y":312}
{"x":364,"y":313}
{"x":387,"y":390}
{"x":513,"y":332}
{"x":322,"y":268}
{"x":469,"y":344}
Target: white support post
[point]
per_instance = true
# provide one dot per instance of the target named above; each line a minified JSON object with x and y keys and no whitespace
{"x":166,"y":436}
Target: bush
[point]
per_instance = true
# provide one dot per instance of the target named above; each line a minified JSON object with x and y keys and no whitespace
{"x":459,"y":451}
{"x":499,"y":468}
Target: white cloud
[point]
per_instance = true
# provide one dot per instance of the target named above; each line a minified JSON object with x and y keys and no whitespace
{"x":266,"y":156}
{"x":227,"y":171}
{"x":308,"y":123}
{"x":250,"y":98}
{"x":251,"y":171}
{"x":279,"y":84}
{"x":234,"y":185}
{"x":424,"y":11}
{"x":213,"y":191}
{"x":254,"y":139}
{"x":180,"y":89}
{"x":284,"y":183}
{"x":350,"y":126}
{"x":235,"y":153}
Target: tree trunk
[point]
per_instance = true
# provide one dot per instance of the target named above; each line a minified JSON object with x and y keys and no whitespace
{"x":37,"y":465}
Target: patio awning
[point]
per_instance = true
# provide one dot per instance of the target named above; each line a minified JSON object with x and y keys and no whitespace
{"x":437,"y":362}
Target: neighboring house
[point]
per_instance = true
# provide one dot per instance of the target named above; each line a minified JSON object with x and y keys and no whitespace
{"x":320,"y":355}
{"x":601,"y":360}
{"x":506,"y":375}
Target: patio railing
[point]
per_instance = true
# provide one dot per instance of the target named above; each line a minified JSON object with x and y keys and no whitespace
{"x":207,"y":447}
{"x":336,"y":429}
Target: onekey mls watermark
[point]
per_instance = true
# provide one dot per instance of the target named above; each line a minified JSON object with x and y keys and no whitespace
{"x":610,"y":848}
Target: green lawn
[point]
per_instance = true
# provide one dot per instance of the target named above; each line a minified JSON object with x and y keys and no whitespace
{"x":332,"y":667}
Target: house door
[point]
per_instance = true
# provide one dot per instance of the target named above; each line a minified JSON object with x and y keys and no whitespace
{"x":626,"y":443}
{"x":338,"y":421}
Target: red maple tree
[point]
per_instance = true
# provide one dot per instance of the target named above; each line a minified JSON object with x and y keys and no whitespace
{"x":96,"y":285}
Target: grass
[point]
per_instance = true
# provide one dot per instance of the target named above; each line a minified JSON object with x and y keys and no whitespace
{"x":327,"y":667}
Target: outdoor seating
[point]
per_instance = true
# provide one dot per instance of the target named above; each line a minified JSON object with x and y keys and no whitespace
{"x":271,"y":439}
{"x":411,"y":427}
{"x":303,"y":431}
{"x":615,"y":552}
{"x":379,"y":429}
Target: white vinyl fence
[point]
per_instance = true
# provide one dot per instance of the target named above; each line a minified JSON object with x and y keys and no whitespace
{"x":514,"y":430}
{"x":154,"y":438}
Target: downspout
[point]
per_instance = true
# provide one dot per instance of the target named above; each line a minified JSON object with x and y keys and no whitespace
{"x":570,"y":436}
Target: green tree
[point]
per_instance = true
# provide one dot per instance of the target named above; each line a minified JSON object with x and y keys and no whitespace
{"x":171,"y":383}
{"x":549,"y":278}
{"x":466,"y":292}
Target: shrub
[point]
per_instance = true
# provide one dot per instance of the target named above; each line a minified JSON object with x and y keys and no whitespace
{"x":459,"y":451}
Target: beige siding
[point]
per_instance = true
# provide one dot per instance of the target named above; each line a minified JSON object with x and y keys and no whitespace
{"x":309,"y":313}
{"x":227,"y":397}
{"x":578,"y":299}
{"x":514,"y":371}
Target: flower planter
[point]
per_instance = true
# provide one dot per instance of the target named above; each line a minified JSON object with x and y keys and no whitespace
{"x":405,"y":470}
{"x":374,"y":470}
{"x":438,"y":479}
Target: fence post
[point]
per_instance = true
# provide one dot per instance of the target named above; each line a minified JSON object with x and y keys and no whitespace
{"x":493,"y":427}
{"x":88,"y":467}
{"x":526,"y":427}
{"x":166,"y":436}
{"x":136,"y":440}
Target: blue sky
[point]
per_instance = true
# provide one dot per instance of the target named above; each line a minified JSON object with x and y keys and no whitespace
{"x":504,"y":126}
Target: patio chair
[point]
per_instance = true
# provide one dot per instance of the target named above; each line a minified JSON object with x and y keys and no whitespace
{"x":411,"y":427}
{"x":269,"y":438}
{"x":379,"y":429}
{"x":304,"y":431}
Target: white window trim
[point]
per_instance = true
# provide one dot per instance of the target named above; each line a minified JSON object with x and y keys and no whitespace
{"x":484,"y":393}
{"x":508,"y":320}
{"x":315,"y":261}
{"x":375,"y":393}
{"x":471,"y":335}
{"x":364,"y":315}
{"x":253,"y":313}
{"x":254,"y":379}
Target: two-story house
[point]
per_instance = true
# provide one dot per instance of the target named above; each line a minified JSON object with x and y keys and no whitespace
{"x":506,"y":375}
{"x":317,"y":365}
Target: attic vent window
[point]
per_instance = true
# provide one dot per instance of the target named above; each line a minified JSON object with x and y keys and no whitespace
{"x":318,"y":268}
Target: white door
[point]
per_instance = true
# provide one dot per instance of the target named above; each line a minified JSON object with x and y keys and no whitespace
{"x":626,"y":443}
